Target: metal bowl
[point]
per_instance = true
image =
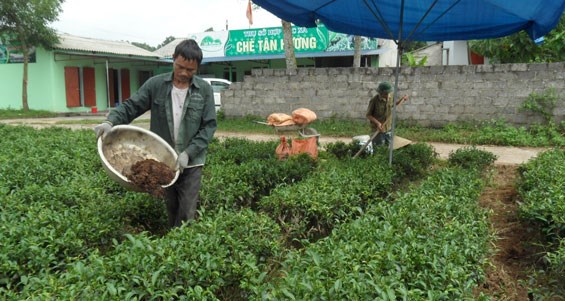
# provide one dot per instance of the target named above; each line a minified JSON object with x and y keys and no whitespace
{"x":125,"y":145}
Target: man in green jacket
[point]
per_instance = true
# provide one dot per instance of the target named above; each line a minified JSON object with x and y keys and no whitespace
{"x":379,"y":114}
{"x":183,"y":114}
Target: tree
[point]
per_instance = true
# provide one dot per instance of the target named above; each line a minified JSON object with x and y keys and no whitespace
{"x":166,"y":41}
{"x":519,"y":47}
{"x":357,"y":51}
{"x":26,"y":21}
{"x":144,"y":46}
{"x":289,"y":55}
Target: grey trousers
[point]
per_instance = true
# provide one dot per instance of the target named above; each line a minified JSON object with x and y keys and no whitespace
{"x":382,"y":139}
{"x":182,"y":198}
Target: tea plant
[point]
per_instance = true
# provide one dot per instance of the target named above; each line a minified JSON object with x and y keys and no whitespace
{"x":216,"y":258}
{"x":428,"y":244}
{"x":541,"y":186}
{"x":470,"y":157}
{"x":233,"y":186}
{"x":57,"y":203}
{"x":338,"y":193}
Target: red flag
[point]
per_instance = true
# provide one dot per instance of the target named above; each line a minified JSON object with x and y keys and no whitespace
{"x":249,"y":13}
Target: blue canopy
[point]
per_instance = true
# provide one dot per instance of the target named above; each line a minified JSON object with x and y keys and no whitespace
{"x":423,"y":20}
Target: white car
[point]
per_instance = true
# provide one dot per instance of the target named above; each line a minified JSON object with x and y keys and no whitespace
{"x":218,"y":84}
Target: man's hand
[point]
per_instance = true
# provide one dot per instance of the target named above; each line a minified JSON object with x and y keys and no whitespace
{"x":102,"y":129}
{"x":380,"y":127}
{"x":402,"y":99}
{"x":182,"y":161}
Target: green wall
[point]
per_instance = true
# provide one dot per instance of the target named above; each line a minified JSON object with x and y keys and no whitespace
{"x":46,"y":81}
{"x":40,"y":83}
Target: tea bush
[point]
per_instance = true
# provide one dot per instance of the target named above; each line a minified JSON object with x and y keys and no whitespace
{"x":340,"y":191}
{"x":411,"y":161}
{"x":57,"y":203}
{"x":216,"y":258}
{"x":239,"y":150}
{"x":470,"y":157}
{"x":231,"y":185}
{"x":429,"y":244}
{"x":541,"y":187}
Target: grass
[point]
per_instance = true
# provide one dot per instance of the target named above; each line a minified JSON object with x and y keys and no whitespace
{"x":16,"y":114}
{"x":495,"y":132}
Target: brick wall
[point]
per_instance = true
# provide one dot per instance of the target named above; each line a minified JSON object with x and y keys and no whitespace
{"x":438,"y":94}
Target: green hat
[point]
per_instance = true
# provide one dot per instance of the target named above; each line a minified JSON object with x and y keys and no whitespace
{"x":384,"y":87}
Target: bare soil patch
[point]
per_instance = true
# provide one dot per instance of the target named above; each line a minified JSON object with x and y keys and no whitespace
{"x":516,"y":252}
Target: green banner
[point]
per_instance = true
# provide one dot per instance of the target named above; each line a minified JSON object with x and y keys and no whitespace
{"x":270,"y":40}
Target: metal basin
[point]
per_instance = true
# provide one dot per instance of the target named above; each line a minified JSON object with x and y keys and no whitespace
{"x":125,"y":145}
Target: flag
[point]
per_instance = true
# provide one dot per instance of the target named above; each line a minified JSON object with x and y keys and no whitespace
{"x":249,"y":13}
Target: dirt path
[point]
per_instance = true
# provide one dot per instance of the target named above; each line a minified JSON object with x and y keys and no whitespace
{"x":511,"y":259}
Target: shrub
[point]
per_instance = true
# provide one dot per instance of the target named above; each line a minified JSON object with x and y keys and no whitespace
{"x":470,"y":157}
{"x":217,"y":258}
{"x":428,"y":244}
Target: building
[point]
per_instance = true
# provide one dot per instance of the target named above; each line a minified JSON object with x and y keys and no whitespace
{"x":85,"y":75}
{"x":232,"y":54}
{"x":77,"y":75}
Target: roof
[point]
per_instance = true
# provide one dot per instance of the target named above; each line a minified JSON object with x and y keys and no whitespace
{"x":168,"y":50}
{"x":96,"y":46}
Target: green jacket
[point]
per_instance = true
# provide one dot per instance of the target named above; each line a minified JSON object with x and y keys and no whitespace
{"x":198,"y":122}
{"x":381,"y":109}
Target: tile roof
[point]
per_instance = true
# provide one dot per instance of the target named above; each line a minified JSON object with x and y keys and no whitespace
{"x":168,"y":50}
{"x":97,"y":46}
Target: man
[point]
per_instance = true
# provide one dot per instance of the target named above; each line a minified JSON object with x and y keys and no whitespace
{"x":183,"y":114}
{"x":379,"y":113}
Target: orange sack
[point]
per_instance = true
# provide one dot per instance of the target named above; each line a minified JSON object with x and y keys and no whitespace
{"x":283,"y":150}
{"x":303,"y":116}
{"x":308,"y":145}
{"x":278,"y":118}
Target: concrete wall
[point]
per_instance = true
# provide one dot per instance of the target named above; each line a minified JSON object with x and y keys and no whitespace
{"x":438,"y":94}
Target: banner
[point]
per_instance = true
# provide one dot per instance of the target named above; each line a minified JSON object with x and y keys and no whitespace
{"x":270,"y":40}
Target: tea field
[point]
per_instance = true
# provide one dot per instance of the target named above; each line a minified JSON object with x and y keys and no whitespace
{"x":334,"y":228}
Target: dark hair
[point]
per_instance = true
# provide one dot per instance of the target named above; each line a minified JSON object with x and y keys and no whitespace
{"x":189,"y":50}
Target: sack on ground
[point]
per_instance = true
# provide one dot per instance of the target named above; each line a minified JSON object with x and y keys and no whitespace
{"x":308,"y":145}
{"x":283,"y":150}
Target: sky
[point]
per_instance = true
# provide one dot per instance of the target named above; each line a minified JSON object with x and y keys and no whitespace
{"x":151,"y":22}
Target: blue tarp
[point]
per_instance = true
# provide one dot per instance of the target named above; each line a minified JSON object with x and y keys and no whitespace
{"x":423,"y":20}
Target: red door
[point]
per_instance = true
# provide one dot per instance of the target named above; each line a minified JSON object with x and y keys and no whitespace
{"x":89,"y":86}
{"x":72,"y":87}
{"x":126,"y":93}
